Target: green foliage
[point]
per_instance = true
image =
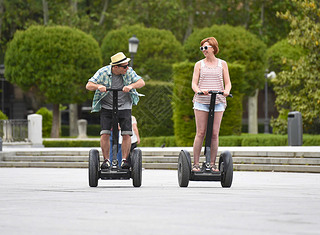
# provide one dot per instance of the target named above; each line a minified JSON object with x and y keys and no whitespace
{"x":160,"y":14}
{"x":183,"y":114}
{"x":71,"y":143}
{"x":154,"y":111}
{"x":46,"y":121}
{"x":281,"y":55}
{"x":236,"y":45}
{"x":3,"y":116}
{"x":232,"y":117}
{"x":57,"y":61}
{"x":168,"y":141}
{"x":157,"y":51}
{"x":297,"y":89}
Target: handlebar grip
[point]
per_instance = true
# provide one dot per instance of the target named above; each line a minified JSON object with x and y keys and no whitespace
{"x":215,"y":92}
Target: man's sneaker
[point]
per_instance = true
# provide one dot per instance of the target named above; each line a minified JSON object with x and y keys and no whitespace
{"x":125,"y":164}
{"x":105,"y":165}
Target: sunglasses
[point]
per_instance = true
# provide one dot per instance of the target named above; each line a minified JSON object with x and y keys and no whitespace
{"x":204,"y":48}
{"x":124,"y":66}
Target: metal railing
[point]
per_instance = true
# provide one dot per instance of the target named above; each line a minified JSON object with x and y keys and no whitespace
{"x":14,"y":130}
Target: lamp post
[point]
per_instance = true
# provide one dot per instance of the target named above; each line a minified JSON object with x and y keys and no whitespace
{"x":267,"y":76}
{"x":133,"y":47}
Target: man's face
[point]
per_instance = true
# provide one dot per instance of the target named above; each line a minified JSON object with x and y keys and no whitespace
{"x":121,"y":68}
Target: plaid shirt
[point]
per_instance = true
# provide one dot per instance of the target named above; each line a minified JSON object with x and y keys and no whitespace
{"x":104,"y":77}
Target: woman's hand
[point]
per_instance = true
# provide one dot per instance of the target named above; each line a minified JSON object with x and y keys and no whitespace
{"x":226,"y":93}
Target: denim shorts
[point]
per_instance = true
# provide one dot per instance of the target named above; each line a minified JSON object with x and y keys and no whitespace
{"x":205,"y":107}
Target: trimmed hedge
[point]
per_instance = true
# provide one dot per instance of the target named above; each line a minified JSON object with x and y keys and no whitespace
{"x":170,"y":141}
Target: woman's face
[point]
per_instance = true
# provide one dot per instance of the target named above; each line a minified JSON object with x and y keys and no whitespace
{"x":207,"y":49}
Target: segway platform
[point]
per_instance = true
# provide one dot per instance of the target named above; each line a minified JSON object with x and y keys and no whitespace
{"x":115,"y":174}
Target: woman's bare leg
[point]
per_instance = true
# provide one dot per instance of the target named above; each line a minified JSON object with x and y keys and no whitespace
{"x":201,"y":125}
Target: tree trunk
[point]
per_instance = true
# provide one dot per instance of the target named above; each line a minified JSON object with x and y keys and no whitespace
{"x":74,"y":6}
{"x":55,"y":121}
{"x":102,"y":16}
{"x":253,"y":113}
{"x":190,"y":20}
{"x":45,"y":12}
{"x":1,"y":16}
{"x":73,"y":119}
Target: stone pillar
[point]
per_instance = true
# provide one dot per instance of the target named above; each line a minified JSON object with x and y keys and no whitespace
{"x":35,"y":130}
{"x":82,"y":128}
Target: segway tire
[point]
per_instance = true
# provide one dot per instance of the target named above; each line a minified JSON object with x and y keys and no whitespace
{"x":94,"y":162}
{"x":136,"y":161}
{"x":184,"y":168}
{"x":226,"y":168}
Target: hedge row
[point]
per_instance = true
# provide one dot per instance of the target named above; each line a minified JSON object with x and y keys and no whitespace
{"x":170,"y":141}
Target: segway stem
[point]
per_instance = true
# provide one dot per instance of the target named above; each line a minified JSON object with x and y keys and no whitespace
{"x":207,"y":149}
{"x":115,"y":128}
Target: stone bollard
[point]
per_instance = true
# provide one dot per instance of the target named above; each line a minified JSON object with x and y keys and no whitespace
{"x":35,"y":130}
{"x":82,"y":128}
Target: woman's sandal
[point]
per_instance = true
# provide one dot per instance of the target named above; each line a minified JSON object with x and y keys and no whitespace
{"x":196,"y":168}
{"x":214,"y":168}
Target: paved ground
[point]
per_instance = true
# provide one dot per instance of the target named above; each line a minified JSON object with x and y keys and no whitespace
{"x":59,"y":201}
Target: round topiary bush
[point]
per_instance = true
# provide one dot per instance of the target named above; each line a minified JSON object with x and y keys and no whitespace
{"x":157,"y":51}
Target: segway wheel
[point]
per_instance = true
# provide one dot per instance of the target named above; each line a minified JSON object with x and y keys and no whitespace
{"x":226,"y":168}
{"x":93,"y":167}
{"x":136,"y":161}
{"x":184,"y":168}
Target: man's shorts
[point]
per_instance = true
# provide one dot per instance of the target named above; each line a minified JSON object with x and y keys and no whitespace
{"x":205,"y":107}
{"x":124,"y":121}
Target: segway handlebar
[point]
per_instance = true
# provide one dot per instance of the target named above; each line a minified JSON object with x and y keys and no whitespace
{"x":114,"y":89}
{"x":215,"y":92}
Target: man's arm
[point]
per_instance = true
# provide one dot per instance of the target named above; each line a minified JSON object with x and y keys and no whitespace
{"x":138,"y":84}
{"x":91,"y":86}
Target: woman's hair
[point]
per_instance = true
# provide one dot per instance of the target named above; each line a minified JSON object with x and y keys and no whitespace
{"x":213,"y":42}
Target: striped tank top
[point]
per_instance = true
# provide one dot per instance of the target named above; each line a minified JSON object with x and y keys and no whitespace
{"x":210,"y":79}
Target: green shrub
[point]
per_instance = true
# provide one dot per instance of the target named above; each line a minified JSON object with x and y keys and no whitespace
{"x":46,"y":121}
{"x":3,"y":116}
{"x":281,"y":54}
{"x":167,"y":141}
{"x":311,"y":140}
{"x":264,"y":140}
{"x":158,"y":50}
{"x":183,"y":115}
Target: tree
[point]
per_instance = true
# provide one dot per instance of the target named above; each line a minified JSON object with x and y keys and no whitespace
{"x":298,"y":89}
{"x":56,"y":62}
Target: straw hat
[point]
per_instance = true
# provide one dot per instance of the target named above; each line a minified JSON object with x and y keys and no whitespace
{"x":119,"y":58}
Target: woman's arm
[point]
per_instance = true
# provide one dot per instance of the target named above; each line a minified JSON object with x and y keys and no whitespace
{"x":226,"y":78}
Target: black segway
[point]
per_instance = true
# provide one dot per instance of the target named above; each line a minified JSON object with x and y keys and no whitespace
{"x":225,"y":173}
{"x":115,"y":172}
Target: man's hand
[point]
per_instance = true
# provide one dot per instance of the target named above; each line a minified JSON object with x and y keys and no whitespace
{"x":102,"y":88}
{"x":127,"y":88}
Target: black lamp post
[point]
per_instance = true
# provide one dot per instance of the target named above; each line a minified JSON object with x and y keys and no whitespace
{"x":133,"y":47}
{"x":266,"y":120}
